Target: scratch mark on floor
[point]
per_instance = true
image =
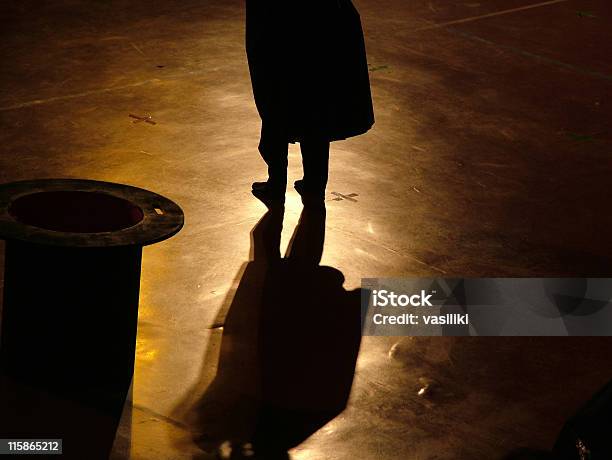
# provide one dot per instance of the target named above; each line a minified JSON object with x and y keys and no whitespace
{"x":488,"y":15}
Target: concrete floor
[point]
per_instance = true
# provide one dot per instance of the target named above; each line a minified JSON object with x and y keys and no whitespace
{"x":490,"y":157}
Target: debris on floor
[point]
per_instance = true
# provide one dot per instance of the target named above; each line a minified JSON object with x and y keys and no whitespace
{"x":581,"y":137}
{"x":426,"y":387}
{"x":146,"y":119}
{"x":374,"y":68}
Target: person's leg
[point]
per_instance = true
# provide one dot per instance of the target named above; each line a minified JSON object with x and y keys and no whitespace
{"x":315,"y":160}
{"x":273,"y":147}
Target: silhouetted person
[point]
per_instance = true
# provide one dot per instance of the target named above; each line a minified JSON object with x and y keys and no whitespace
{"x":289,"y":347}
{"x":585,"y":436}
{"x":310,"y":80}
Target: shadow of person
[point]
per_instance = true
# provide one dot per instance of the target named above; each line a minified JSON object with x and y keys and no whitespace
{"x":289,"y":346}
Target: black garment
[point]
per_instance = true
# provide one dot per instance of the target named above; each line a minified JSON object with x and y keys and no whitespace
{"x":586,"y":435}
{"x":308,"y":68}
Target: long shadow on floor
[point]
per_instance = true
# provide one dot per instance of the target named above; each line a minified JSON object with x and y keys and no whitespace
{"x":289,"y":346}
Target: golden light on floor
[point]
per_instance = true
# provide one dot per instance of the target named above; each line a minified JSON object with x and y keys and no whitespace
{"x":145,"y":349}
